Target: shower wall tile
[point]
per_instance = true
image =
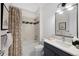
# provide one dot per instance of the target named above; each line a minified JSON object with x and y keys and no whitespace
{"x":27,"y":37}
{"x":37,"y":30}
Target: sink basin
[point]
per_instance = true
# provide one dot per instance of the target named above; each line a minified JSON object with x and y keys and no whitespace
{"x":62,"y":43}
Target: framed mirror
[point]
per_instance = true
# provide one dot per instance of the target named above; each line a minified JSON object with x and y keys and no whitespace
{"x":66,"y":21}
{"x":4,"y":17}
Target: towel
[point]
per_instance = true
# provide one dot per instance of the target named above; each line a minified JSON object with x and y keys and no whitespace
{"x":9,"y":40}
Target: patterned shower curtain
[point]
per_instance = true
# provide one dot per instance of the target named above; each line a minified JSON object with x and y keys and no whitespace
{"x":14,"y":27}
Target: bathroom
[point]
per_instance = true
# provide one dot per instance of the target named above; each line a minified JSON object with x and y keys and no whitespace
{"x":39,"y":29}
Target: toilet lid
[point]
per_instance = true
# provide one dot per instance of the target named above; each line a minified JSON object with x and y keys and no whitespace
{"x":39,"y":46}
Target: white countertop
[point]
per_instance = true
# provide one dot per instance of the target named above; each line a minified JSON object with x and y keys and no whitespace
{"x":64,"y":46}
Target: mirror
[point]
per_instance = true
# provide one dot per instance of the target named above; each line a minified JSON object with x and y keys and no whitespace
{"x":66,"y":21}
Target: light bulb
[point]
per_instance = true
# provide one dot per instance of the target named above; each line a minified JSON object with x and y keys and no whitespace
{"x":70,"y":8}
{"x":58,"y":10}
{"x":61,"y":12}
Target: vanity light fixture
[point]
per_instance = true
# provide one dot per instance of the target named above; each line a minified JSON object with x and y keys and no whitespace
{"x":70,"y":7}
{"x":59,"y":11}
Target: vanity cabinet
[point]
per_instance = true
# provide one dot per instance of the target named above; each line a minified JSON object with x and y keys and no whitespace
{"x":50,"y":50}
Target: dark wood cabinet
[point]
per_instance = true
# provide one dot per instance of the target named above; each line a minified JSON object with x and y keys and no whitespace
{"x":50,"y":50}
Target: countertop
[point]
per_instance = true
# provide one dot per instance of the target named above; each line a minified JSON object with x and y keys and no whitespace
{"x":63,"y":46}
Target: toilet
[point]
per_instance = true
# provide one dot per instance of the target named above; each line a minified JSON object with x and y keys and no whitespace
{"x":39,"y":50}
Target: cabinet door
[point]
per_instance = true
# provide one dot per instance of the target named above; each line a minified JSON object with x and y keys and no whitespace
{"x":48,"y":52}
{"x":55,"y":51}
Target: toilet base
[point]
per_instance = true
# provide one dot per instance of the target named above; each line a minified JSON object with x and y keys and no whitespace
{"x":39,"y":50}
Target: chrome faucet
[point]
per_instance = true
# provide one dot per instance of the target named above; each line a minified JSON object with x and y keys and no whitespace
{"x":63,"y":38}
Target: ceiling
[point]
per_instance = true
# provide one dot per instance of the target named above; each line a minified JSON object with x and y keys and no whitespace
{"x":33,"y":7}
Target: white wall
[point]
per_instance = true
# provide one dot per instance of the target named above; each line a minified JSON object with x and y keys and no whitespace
{"x":47,"y":20}
{"x":0,"y":26}
{"x":28,"y":14}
